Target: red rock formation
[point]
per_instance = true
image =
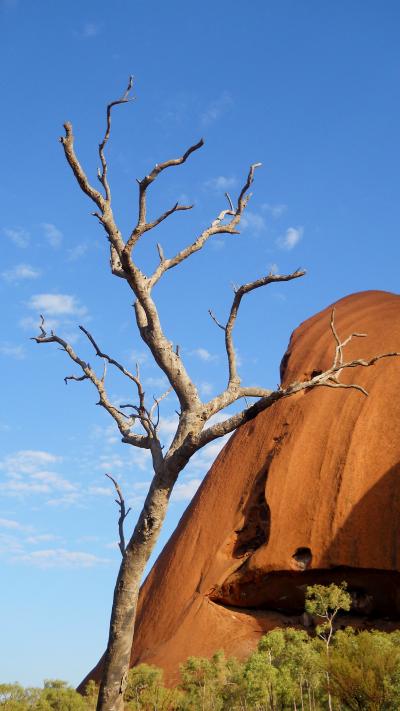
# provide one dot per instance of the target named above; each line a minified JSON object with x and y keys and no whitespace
{"x":307,"y":492}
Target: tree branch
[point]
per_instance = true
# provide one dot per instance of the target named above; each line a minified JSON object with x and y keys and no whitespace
{"x":112,"y":361}
{"x":239,"y":293}
{"x":103,"y":175}
{"x":122,"y":514}
{"x":233,"y":390}
{"x":142,"y":225}
{"x":89,"y":374}
{"x":217,"y":227}
{"x":105,"y":216}
{"x":328,"y":378}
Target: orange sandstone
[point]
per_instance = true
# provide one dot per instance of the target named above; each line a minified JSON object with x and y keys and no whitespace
{"x":309,"y":491}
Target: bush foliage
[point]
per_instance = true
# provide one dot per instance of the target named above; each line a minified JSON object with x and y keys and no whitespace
{"x":289,"y":671}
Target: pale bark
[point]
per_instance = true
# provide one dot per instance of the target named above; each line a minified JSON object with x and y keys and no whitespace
{"x":192,"y":431}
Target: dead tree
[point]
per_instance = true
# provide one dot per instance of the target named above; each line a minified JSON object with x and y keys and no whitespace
{"x":192,"y":432}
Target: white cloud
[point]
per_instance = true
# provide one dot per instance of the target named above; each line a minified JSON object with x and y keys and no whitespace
{"x":273,"y":268}
{"x":140,"y":458}
{"x":13,"y":525}
{"x":276,"y":211}
{"x":53,"y":481}
{"x":203,"y":354}
{"x":108,"y":462}
{"x":77,"y":252}
{"x":221,"y":183}
{"x":206,"y":388}
{"x":138,"y":356}
{"x":27,"y":472}
{"x":52,"y":234}
{"x":88,"y":539}
{"x":9,"y":544}
{"x":71,"y":498}
{"x":27,"y":461}
{"x":160,"y":382}
{"x":184,"y":491}
{"x":20,"y":272}
{"x":30,"y":323}
{"x":100,"y":491}
{"x":141,"y":485}
{"x":90,"y":29}
{"x":19,"y":236}
{"x":8,"y":349}
{"x":168,"y":425}
{"x":57,"y":305}
{"x":107,"y":434}
{"x":217,"y":244}
{"x":15,"y":487}
{"x":40,"y":538}
{"x":253,"y":221}
{"x":292,"y":236}
{"x":60,"y":558}
{"x":217,"y":108}
{"x":203,"y":459}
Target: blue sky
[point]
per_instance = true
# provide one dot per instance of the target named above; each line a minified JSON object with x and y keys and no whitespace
{"x":310,"y":89}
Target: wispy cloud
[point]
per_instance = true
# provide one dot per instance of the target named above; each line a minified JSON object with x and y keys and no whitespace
{"x":203,"y":354}
{"x":17,"y":487}
{"x":52,"y":234}
{"x":40,"y":538}
{"x":203,"y":460}
{"x":168,"y":425}
{"x":276,"y":211}
{"x":157,"y":382}
{"x":53,"y":481}
{"x":107,"y":434}
{"x":17,"y":235}
{"x":253,"y":221}
{"x":57,"y":305}
{"x":60,"y":558}
{"x":10,"y":524}
{"x":77,"y":252}
{"x":140,"y":459}
{"x":110,"y":462}
{"x":30,"y":323}
{"x":100,"y":491}
{"x":20,"y":272}
{"x":138,"y":356}
{"x":12,"y":351}
{"x":217,"y":108}
{"x":221,"y":183}
{"x":70,"y":498}
{"x":185,"y":490}
{"x":27,"y":473}
{"x":217,"y":244}
{"x":90,"y":29}
{"x":27,"y":461}
{"x":10,"y":544}
{"x":291,"y":237}
{"x":206,"y":388}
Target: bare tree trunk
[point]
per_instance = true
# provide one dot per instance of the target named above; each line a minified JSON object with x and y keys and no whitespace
{"x":301,"y":696}
{"x":193,"y":432}
{"x":126,"y":591}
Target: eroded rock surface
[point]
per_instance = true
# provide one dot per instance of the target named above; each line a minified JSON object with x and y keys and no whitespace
{"x":307,"y":492}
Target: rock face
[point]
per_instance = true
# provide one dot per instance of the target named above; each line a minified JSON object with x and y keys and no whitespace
{"x":307,"y":492}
